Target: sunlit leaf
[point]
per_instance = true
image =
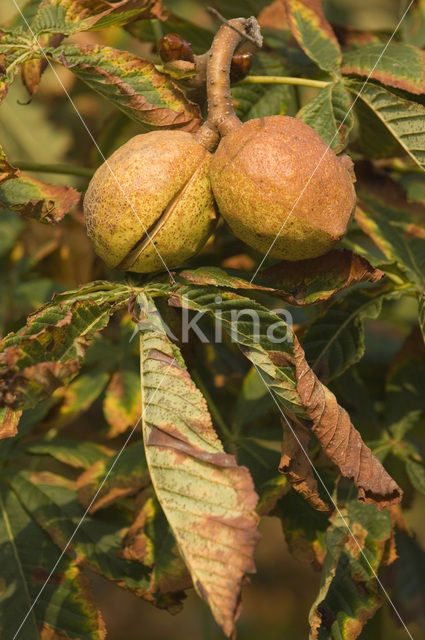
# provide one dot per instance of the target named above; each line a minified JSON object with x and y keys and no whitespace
{"x":401,"y":66}
{"x":313,"y":33}
{"x":407,"y":129}
{"x":207,"y":499}
{"x":69,"y":16}
{"x":132,"y":84}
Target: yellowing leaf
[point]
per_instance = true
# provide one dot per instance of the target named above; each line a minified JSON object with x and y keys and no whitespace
{"x":207,"y":499}
{"x":314,"y":33}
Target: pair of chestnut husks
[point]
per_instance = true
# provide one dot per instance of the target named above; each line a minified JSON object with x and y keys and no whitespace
{"x":275,"y":181}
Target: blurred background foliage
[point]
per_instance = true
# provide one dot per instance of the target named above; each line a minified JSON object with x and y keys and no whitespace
{"x":39,"y":260}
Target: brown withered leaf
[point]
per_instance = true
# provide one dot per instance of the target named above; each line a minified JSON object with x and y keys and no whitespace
{"x":9,"y":420}
{"x":317,"y":279}
{"x":38,"y":200}
{"x":150,"y":541}
{"x":295,"y":464}
{"x":340,"y":441}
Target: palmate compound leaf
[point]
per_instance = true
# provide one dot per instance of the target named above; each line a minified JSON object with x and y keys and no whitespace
{"x":27,"y":555}
{"x":330,"y":115}
{"x":300,"y":283}
{"x":48,"y":350}
{"x":269,"y":343}
{"x":208,"y":500}
{"x":313,"y":33}
{"x":69,"y":16}
{"x":132,"y":84}
{"x":349,"y":593}
{"x":404,"y":119}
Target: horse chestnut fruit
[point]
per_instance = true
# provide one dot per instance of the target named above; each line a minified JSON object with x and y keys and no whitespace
{"x":150,"y":204}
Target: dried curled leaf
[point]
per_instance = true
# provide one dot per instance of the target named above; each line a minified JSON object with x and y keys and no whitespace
{"x":208,"y":500}
{"x":295,"y":464}
{"x":339,"y":439}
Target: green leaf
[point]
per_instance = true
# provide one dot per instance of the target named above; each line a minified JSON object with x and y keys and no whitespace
{"x":402,"y":66}
{"x":207,"y":499}
{"x":314,"y":34}
{"x":70,"y":16}
{"x":408,"y":586}
{"x":405,"y":120}
{"x":12,"y":57}
{"x":27,"y":555}
{"x":421,"y":314}
{"x":11,"y":227}
{"x":132,"y":84}
{"x":38,"y":200}
{"x":76,"y":453}
{"x":330,"y":115}
{"x":335,"y":340}
{"x":47,"y":352}
{"x":413,"y":25}
{"x":261,"y":335}
{"x":416,"y":473}
{"x":129,"y":476}
{"x":52,"y":502}
{"x":348,"y":593}
{"x":404,"y":382}
{"x":396,"y":232}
